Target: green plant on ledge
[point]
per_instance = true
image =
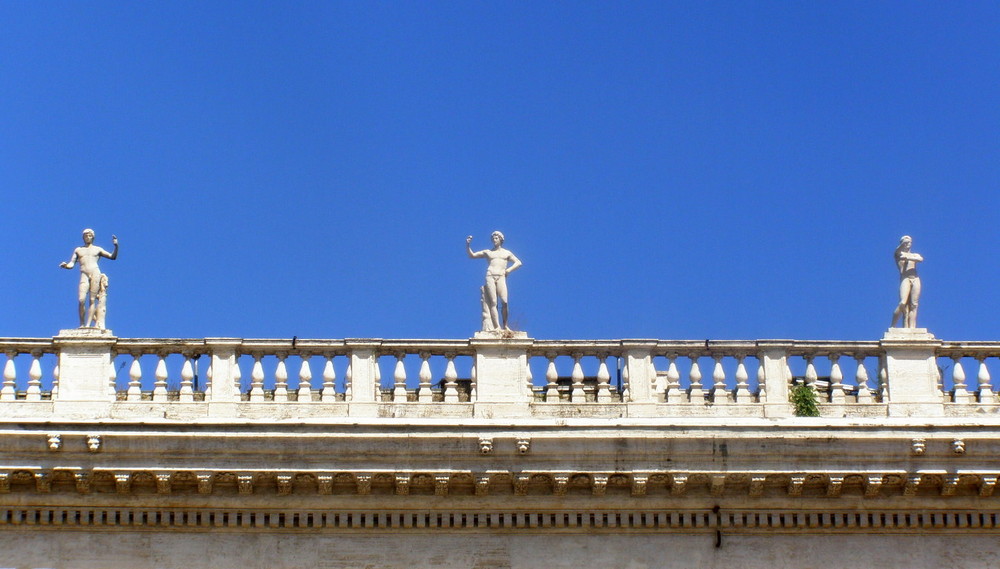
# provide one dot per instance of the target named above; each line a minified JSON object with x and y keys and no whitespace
{"x":803,"y":398}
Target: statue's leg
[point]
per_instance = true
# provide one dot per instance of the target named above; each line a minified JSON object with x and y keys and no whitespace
{"x":95,"y":293}
{"x":83,"y":291}
{"x":92,"y":310}
{"x":911,"y":313}
{"x":491,"y":300}
{"x":502,"y":295}
{"x":902,"y":309}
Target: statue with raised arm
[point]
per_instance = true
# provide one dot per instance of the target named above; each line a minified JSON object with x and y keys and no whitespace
{"x":93,"y":284}
{"x":502,"y":263}
{"x":909,"y":284}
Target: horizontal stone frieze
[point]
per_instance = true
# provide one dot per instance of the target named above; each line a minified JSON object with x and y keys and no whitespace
{"x":516,"y":483}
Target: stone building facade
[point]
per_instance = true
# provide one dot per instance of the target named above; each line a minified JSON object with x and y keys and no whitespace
{"x":496,"y":452}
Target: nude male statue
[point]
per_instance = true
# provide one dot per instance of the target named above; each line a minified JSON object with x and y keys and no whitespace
{"x":93,"y":284}
{"x":909,"y":284}
{"x":495,"y":288}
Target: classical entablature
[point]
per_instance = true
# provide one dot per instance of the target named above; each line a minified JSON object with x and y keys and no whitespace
{"x":497,"y":436}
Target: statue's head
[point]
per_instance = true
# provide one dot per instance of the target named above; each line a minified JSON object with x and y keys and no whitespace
{"x":88,"y":236}
{"x":497,"y":238}
{"x":905,"y":241}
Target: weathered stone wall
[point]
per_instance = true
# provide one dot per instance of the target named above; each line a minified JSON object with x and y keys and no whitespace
{"x":33,"y":548}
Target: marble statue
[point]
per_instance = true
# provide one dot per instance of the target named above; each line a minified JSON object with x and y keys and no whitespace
{"x":909,"y":284}
{"x":502,"y":263}
{"x":93,"y":284}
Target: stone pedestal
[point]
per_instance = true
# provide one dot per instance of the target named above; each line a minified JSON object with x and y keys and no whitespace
{"x":641,"y":374}
{"x":362,"y":377}
{"x":362,"y":370}
{"x":776,"y":377}
{"x":911,"y":367}
{"x":224,"y":394}
{"x":501,"y":367}
{"x":85,"y":371}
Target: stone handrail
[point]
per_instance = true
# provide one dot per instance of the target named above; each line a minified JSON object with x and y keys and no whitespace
{"x":91,"y":373}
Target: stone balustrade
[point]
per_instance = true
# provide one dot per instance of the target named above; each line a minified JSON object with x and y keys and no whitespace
{"x":29,"y":386}
{"x":99,"y":375}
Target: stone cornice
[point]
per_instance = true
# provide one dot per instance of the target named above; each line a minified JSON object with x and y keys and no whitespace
{"x":527,"y":484}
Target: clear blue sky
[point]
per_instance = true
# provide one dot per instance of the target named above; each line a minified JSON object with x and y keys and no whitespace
{"x":665,"y":169}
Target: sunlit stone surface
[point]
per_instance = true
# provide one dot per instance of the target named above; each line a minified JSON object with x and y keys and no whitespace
{"x":497,"y":451}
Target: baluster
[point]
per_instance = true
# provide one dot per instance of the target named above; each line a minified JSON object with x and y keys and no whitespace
{"x":529,"y":378}
{"x":281,"y":380}
{"x":551,"y":376}
{"x":761,"y":381}
{"x":658,"y":381}
{"x":237,"y":378}
{"x":474,"y":386}
{"x":837,"y":394}
{"x":209,"y":373}
{"x":861,"y":376}
{"x":55,"y":381}
{"x":349,"y":377}
{"x":742,"y":381}
{"x":697,"y":391}
{"x":329,"y":392}
{"x":134,"y":392}
{"x":958,"y":378}
{"x":811,"y":375}
{"x":603,"y":381}
{"x":451,"y":380}
{"x":577,"y":395}
{"x":424,"y":394}
{"x":257,"y":380}
{"x":626,"y":390}
{"x":625,"y":382}
{"x":399,"y":376}
{"x":985,"y":388}
{"x":883,"y":384}
{"x":9,"y":390}
{"x":187,"y":374}
{"x":160,"y":385}
{"x":719,"y":394}
{"x":673,"y":394}
{"x":34,"y":392}
{"x":378,"y":379}
{"x":305,"y":394}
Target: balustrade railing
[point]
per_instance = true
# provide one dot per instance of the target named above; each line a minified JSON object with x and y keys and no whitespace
{"x":158,"y":370}
{"x":432,"y":371}
{"x":30,"y":369}
{"x":840,"y":372}
{"x":964,"y":374}
{"x":576,"y":372}
{"x":636,"y":377}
